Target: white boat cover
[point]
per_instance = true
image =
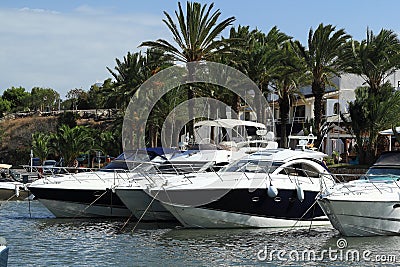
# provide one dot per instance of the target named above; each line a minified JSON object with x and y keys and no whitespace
{"x":5,"y":166}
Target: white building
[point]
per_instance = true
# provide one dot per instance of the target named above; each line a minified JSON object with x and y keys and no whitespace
{"x":336,"y":100}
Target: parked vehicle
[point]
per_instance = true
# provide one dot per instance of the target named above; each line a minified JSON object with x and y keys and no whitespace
{"x":83,"y":159}
{"x":48,"y":166}
{"x":36,"y":162}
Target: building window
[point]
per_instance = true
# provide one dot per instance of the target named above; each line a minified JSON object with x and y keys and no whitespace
{"x":299,"y":113}
{"x":336,"y":109}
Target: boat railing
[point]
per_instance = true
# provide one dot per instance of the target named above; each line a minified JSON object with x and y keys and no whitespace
{"x":384,"y":179}
{"x":356,"y":186}
{"x":163,"y":172}
{"x":63,"y":172}
{"x":46,"y":170}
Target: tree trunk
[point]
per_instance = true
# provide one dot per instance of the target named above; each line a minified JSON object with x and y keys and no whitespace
{"x":235,"y":110}
{"x":190,"y":95}
{"x":318,"y":92}
{"x":284,"y":107}
{"x":213,"y":112}
{"x":235,"y":106}
{"x":257,"y":104}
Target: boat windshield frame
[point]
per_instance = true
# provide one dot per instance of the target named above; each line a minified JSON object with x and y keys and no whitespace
{"x":253,"y":165}
{"x":382,"y":173}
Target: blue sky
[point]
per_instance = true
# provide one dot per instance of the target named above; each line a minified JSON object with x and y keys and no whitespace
{"x":68,"y":44}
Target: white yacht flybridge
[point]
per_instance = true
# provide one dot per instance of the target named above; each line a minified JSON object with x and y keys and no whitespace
{"x":245,"y":137}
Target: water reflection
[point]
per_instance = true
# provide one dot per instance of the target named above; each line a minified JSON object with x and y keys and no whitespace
{"x":38,"y":239}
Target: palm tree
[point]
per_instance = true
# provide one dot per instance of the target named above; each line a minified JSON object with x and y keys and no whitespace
{"x":376,"y":106}
{"x":107,"y":141}
{"x":132,"y":72}
{"x":370,"y":113}
{"x":128,"y":75}
{"x":195,"y":36}
{"x":158,"y":116}
{"x":257,"y":55}
{"x":266,"y":59}
{"x":323,"y":61}
{"x":71,"y":142}
{"x":375,"y":58}
{"x":41,"y":145}
{"x":288,"y":79}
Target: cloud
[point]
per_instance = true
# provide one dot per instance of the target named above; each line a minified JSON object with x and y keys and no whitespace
{"x":68,"y":50}
{"x":37,"y":10}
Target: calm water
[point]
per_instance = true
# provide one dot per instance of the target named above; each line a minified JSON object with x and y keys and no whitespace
{"x":36,"y":238}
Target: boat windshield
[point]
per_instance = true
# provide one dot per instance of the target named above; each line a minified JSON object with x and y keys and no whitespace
{"x":382,"y":173}
{"x":266,"y":166}
{"x":131,"y":160}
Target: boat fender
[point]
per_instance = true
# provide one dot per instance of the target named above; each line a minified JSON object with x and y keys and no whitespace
{"x":272,"y":191}
{"x":17,"y":190}
{"x":300,"y":193}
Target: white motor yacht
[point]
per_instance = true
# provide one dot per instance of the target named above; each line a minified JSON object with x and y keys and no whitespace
{"x":368,"y":206}
{"x":12,"y":191}
{"x":91,"y":194}
{"x":270,"y":188}
{"x":9,"y":189}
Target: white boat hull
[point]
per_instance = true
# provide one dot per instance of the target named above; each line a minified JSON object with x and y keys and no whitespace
{"x":363,"y":218}
{"x":244,"y":196}
{"x":142,"y":206}
{"x":81,"y":196}
{"x":8,"y":191}
{"x":193,"y":217}
{"x":3,"y":256}
{"x":64,"y":209}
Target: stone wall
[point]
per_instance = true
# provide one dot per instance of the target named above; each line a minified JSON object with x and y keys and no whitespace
{"x":347,"y":174}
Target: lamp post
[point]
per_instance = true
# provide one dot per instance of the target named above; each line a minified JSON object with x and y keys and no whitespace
{"x":98,"y":157}
{"x":31,"y":160}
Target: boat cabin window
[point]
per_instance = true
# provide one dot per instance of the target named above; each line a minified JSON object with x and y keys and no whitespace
{"x":300,"y":169}
{"x":265,"y":166}
{"x":383,"y":172}
{"x":132,"y":160}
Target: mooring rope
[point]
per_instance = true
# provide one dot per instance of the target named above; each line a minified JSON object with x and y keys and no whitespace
{"x":94,"y":201}
{"x":302,"y":216}
{"x":148,"y":206}
{"x":126,"y":222}
{"x":3,"y":202}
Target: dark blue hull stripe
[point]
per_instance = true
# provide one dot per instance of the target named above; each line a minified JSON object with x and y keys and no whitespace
{"x":84,"y":196}
{"x":285,"y":206}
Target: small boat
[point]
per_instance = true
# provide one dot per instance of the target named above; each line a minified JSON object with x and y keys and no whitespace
{"x":369,"y":206}
{"x":3,"y":252}
{"x":91,"y":194}
{"x":272,"y":188}
{"x":11,"y":190}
